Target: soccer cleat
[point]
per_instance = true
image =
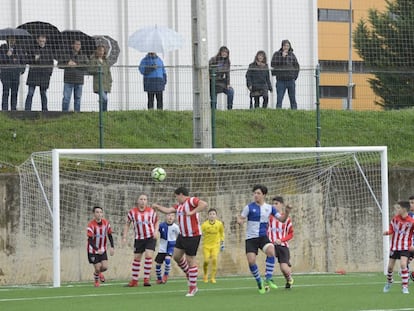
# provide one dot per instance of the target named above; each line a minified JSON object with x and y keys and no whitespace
{"x":160,"y":282}
{"x":405,"y":290}
{"x":132,"y":283}
{"x":147,"y":282}
{"x":213,"y":280}
{"x":192,"y":290}
{"x":97,"y":284}
{"x":289,"y":283}
{"x":101,"y":277}
{"x":387,"y":287}
{"x":270,"y":283}
{"x":205,"y":279}
{"x":164,"y":279}
{"x":261,"y":287}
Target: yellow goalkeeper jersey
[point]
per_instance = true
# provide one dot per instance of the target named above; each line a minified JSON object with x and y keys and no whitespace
{"x":213,"y":233}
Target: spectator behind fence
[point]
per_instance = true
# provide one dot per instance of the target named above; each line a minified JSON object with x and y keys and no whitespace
{"x":258,"y":80}
{"x":99,"y":66}
{"x":40,"y":59}
{"x":285,"y":67}
{"x":12,"y":62}
{"x":155,"y":78}
{"x":74,"y":63}
{"x":221,"y":63}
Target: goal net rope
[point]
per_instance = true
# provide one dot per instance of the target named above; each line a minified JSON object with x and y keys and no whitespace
{"x":339,"y":198}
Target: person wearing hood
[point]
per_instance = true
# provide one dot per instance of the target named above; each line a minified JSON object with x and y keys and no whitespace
{"x":155,"y":78}
{"x":221,"y":63}
{"x":285,"y":67}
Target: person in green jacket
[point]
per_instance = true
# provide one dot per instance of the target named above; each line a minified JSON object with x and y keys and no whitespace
{"x":99,"y":66}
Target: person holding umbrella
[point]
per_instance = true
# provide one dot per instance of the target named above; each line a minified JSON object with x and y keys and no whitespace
{"x":40,"y":59}
{"x":75,"y":64}
{"x":12,"y":63}
{"x":100,"y":69}
{"x":155,"y":78}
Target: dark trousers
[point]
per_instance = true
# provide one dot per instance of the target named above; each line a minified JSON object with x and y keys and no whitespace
{"x":281,"y":87}
{"x":10,"y":86}
{"x":256,"y":100}
{"x":29,"y":98}
{"x":158,"y":96}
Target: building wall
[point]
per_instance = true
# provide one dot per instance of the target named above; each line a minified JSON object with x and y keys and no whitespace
{"x":242,"y":25}
{"x":333,"y":41}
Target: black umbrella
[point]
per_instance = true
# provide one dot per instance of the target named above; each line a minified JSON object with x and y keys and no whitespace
{"x":111,"y":46}
{"x":13,"y":32}
{"x":38,"y":28}
{"x":67,"y":37}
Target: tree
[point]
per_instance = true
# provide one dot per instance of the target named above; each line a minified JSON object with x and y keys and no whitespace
{"x":386,"y":44}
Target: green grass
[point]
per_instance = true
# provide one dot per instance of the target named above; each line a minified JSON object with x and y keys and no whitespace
{"x":330,"y":292}
{"x":234,"y":129}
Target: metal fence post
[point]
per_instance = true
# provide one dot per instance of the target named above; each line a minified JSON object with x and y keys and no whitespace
{"x":318,"y":111}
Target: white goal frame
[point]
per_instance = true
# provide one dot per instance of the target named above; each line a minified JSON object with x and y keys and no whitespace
{"x":57,"y":153}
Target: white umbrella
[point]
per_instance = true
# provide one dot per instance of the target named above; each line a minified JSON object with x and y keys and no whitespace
{"x":155,"y":39}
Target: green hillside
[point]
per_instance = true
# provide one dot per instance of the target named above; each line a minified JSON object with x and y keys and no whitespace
{"x":21,"y":134}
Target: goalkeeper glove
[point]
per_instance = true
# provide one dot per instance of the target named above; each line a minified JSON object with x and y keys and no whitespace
{"x":221,"y":246}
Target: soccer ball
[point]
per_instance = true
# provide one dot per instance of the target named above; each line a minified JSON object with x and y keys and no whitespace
{"x":158,"y":174}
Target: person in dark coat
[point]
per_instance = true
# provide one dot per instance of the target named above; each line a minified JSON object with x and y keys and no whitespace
{"x":75,"y":64}
{"x":12,"y":62}
{"x":285,"y":67}
{"x":40,"y":59}
{"x":155,"y":78}
{"x":258,"y":80}
{"x":221,"y":64}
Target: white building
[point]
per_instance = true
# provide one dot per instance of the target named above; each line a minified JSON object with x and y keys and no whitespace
{"x":244,"y":26}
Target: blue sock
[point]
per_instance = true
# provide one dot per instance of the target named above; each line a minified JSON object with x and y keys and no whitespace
{"x":255,"y":271}
{"x":270,"y":266}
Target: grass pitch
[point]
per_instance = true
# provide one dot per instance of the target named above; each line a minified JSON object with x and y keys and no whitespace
{"x":330,"y":292}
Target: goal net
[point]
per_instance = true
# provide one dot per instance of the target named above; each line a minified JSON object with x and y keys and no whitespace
{"x":339,"y":197}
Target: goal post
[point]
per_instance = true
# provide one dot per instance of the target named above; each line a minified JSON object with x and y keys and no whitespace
{"x":339,"y":194}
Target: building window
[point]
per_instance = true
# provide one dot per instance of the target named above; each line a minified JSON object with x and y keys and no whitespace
{"x":341,"y":66}
{"x":330,"y":91}
{"x":331,"y":15}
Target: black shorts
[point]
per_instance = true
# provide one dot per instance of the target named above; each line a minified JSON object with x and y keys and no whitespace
{"x":96,"y":258}
{"x":188,"y":244}
{"x":160,"y":258}
{"x":254,"y":244}
{"x":399,"y":254}
{"x":282,"y":254}
{"x":141,"y":245}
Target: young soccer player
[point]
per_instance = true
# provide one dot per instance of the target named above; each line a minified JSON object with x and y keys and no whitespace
{"x":213,"y":242}
{"x":279,"y":234}
{"x":401,"y":229}
{"x":98,"y":231}
{"x":185,"y":250}
{"x":145,"y":223}
{"x":257,"y":215}
{"x":169,"y":232}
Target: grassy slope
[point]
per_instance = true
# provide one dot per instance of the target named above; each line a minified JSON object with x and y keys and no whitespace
{"x":257,"y":128}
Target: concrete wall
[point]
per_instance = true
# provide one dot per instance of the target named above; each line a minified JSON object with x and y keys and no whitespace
{"x":327,"y":241}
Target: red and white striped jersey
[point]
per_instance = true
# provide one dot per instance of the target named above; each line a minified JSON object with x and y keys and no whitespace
{"x":278,"y":230}
{"x":189,"y":225}
{"x":401,"y":230}
{"x":143,"y":222}
{"x":99,"y":232}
